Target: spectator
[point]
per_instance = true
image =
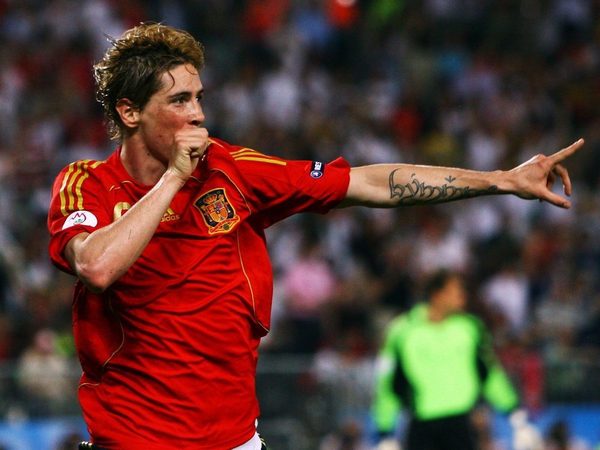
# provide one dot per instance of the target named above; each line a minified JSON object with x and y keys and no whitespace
{"x":43,"y":375}
{"x":309,"y":284}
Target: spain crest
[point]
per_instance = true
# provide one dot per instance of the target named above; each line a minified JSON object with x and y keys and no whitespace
{"x":218,"y":213}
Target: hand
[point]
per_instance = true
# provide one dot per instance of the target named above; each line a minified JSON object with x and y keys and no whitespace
{"x":189,"y":146}
{"x":525,"y":435}
{"x":535,"y":178}
{"x":389,"y":443}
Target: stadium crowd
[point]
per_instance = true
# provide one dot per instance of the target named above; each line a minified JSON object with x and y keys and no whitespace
{"x":482,"y":84}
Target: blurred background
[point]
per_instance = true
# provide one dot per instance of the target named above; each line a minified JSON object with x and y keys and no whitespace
{"x":482,"y":84}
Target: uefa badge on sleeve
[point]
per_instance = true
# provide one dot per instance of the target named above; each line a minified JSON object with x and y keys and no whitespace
{"x":80,"y":218}
{"x":317,"y":169}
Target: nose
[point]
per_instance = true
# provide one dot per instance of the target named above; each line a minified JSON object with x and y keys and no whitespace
{"x":197,"y":114}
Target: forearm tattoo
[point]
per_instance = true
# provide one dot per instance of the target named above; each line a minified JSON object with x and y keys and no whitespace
{"x":416,"y":192}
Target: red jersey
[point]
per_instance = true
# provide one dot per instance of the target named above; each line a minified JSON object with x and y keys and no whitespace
{"x":169,"y":351}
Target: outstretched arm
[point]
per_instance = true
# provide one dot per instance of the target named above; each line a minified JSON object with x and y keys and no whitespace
{"x":391,"y":185}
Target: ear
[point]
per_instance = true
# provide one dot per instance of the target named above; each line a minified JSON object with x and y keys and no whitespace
{"x":128,"y":112}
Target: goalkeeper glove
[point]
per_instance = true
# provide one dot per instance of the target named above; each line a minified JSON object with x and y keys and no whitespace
{"x":525,"y":435}
{"x":388,"y":443}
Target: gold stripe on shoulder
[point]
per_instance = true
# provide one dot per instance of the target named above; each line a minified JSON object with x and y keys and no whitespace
{"x":247,"y":154}
{"x":63,"y":194}
{"x":70,"y":190}
{"x":246,"y":150}
{"x":118,"y":186}
{"x":211,"y":141}
{"x":261,"y":159}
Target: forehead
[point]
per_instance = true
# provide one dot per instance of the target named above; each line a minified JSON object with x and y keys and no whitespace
{"x":182,"y":78}
{"x":455,"y":281}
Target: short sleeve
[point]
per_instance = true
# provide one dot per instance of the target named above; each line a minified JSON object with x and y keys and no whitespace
{"x":75,"y":208}
{"x":279,"y":190}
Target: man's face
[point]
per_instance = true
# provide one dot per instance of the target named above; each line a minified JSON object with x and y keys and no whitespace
{"x":175,"y":107}
{"x":453,"y":296}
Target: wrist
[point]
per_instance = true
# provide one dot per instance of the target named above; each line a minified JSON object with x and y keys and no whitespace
{"x":172,"y":178}
{"x":501,"y":181}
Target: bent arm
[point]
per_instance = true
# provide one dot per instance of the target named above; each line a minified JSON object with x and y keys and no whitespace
{"x":101,"y":257}
{"x":498,"y":389}
{"x":391,"y":185}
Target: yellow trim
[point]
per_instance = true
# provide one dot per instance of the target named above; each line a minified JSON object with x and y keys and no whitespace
{"x":211,"y":141}
{"x":247,"y":154}
{"x":248,"y":281}
{"x":263,"y":159}
{"x":237,"y":234}
{"x":70,"y":190}
{"x":63,"y":200}
{"x":246,"y":150}
{"x":110,"y":304}
{"x":77,"y":194}
{"x":113,"y":353}
{"x":80,"y":167}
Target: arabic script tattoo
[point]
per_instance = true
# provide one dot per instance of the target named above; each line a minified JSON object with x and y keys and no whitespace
{"x":416,"y":192}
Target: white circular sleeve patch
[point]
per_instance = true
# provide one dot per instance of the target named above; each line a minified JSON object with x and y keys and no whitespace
{"x":80,"y":218}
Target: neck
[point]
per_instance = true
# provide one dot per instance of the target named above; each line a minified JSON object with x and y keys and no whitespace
{"x":436,"y":314}
{"x":141,"y":164}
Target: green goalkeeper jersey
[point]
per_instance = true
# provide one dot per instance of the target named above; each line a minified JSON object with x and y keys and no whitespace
{"x":437,"y":369}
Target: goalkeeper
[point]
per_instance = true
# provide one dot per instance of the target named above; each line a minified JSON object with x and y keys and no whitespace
{"x":437,"y":361}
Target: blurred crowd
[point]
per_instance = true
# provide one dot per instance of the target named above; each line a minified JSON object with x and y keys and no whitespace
{"x":481,"y":84}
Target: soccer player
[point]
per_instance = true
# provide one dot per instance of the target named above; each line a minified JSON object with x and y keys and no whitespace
{"x":166,"y":239}
{"x":437,"y":361}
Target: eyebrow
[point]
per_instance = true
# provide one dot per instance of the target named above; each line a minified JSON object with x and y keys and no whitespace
{"x":186,"y":94}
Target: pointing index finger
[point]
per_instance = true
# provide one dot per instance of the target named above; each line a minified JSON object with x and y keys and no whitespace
{"x":563,"y":154}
